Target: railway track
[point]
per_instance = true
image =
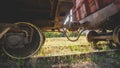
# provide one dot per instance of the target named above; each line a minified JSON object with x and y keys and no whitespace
{"x":80,"y":53}
{"x":62,"y":61}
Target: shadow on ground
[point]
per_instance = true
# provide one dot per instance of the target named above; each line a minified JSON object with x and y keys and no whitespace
{"x":107,"y":60}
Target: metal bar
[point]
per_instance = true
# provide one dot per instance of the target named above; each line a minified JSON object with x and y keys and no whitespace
{"x":4,"y":32}
{"x":108,"y":37}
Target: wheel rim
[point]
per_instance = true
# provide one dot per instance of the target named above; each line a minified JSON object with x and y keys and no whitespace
{"x":116,"y":35}
{"x":31,"y":48}
{"x":90,"y":35}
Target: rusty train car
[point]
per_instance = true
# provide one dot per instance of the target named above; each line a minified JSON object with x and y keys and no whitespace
{"x":92,"y":15}
{"x":22,"y":22}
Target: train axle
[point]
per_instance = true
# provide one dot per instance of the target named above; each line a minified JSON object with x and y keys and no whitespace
{"x":110,"y":36}
{"x":94,"y":36}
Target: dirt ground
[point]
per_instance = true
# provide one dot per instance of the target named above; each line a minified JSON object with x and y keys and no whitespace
{"x":108,"y":60}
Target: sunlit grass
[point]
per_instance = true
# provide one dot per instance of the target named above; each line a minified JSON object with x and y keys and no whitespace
{"x":61,"y":46}
{"x":62,"y":41}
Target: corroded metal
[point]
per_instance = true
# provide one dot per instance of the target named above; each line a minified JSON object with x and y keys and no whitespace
{"x":4,"y":32}
{"x":21,"y":45}
{"x":94,"y":36}
{"x":116,"y":35}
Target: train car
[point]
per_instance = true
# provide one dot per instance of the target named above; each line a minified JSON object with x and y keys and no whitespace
{"x":22,"y":22}
{"x":100,"y":17}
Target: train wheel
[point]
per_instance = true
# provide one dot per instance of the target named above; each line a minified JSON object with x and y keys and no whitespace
{"x":89,"y":36}
{"x":23,"y":50}
{"x":116,"y":36}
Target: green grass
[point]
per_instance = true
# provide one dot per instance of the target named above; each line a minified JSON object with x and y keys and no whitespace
{"x":61,"y":46}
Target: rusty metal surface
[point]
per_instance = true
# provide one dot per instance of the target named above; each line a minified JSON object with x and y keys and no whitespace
{"x":99,"y":19}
